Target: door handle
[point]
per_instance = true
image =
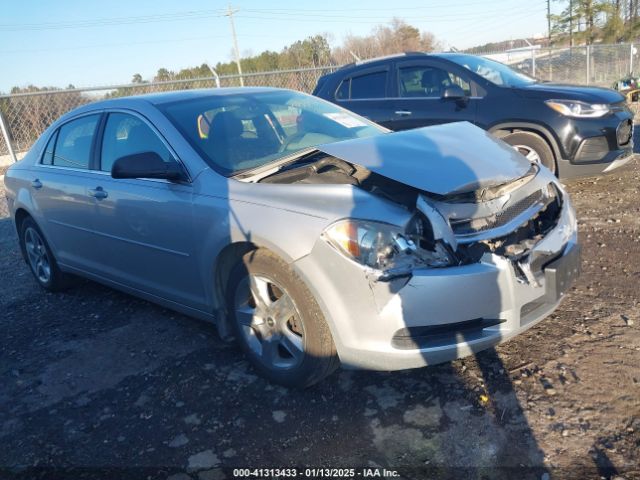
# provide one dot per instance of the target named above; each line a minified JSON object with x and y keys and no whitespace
{"x":98,"y":193}
{"x":37,"y":184}
{"x":403,"y":113}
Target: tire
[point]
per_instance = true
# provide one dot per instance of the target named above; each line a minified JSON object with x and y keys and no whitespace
{"x":532,"y":146}
{"x":40,"y":259}
{"x":278,"y":322}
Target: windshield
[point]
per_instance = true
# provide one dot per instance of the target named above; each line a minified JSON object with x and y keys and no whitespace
{"x":243,"y":131}
{"x":496,"y":72}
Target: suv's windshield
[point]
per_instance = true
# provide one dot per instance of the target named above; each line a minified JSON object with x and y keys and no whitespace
{"x":244,"y":131}
{"x":493,"y":71}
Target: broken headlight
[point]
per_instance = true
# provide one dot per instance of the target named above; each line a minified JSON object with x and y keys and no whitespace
{"x":382,"y":246}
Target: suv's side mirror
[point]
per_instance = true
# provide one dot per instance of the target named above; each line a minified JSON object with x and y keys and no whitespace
{"x":146,"y":165}
{"x":454,"y":92}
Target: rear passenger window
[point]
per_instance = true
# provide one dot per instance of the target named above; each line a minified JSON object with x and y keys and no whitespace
{"x":47,"y":156}
{"x":343,"y":90}
{"x":370,"y":85}
{"x":73,"y":144}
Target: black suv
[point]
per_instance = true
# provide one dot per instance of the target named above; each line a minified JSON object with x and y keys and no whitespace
{"x":573,"y":130}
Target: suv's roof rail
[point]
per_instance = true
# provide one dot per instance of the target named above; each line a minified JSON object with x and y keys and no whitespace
{"x":393,"y":55}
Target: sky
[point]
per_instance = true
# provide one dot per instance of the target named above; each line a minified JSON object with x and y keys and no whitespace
{"x":92,"y":43}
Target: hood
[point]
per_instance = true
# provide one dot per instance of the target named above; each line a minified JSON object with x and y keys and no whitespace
{"x":551,"y":91}
{"x":443,"y":159}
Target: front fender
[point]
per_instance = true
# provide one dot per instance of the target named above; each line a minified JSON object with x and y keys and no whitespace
{"x":544,"y":131}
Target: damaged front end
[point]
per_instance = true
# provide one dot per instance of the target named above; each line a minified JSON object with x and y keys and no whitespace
{"x":509,"y":220}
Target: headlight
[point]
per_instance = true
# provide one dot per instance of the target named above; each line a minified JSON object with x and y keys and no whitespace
{"x":577,"y":109}
{"x":382,"y":246}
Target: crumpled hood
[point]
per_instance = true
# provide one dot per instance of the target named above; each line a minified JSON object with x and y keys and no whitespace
{"x":443,"y":159}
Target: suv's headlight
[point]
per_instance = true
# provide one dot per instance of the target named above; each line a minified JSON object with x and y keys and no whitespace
{"x":382,"y":246}
{"x":578,"y":109}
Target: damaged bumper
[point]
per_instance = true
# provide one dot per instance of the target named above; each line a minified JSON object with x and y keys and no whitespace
{"x":440,"y":314}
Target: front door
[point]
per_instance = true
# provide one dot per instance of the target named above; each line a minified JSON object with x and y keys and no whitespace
{"x":420,"y":87}
{"x":145,"y":226}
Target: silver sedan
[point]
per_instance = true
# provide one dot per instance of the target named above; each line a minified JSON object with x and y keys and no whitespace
{"x":307,"y":233}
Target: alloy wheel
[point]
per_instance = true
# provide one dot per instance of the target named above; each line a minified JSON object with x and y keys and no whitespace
{"x":270,"y":322}
{"x":529,"y":153}
{"x":37,"y":255}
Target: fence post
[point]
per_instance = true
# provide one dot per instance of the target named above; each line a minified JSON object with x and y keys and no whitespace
{"x":588,"y":49}
{"x":631,"y":59}
{"x":533,"y":62}
{"x":216,"y":77}
{"x":7,"y":137}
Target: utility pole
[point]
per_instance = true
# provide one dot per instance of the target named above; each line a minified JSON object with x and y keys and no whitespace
{"x":549,"y":42}
{"x":549,"y":20}
{"x":229,"y":14}
{"x":570,"y":24}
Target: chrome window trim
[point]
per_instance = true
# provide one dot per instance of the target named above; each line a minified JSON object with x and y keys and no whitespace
{"x":402,"y":98}
{"x":107,"y":174}
{"x":102,"y":111}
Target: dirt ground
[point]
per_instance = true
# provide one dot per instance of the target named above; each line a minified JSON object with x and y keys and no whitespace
{"x":98,"y":384}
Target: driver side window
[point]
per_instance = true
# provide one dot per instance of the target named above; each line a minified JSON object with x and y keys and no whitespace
{"x":126,"y":134}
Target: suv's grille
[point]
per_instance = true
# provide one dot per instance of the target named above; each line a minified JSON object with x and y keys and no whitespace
{"x":475,"y":225}
{"x":624,"y":133}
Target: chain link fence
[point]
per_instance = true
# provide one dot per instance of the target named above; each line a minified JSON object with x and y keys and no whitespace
{"x":27,"y":115}
{"x":599,"y":65}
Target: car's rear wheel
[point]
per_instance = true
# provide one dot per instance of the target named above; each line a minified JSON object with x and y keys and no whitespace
{"x":278,"y":322}
{"x":40,"y":259}
{"x":533,"y":147}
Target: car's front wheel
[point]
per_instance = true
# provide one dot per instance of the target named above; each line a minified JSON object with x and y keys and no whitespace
{"x":278,"y":322}
{"x":40,"y":259}
{"x":533,"y":147}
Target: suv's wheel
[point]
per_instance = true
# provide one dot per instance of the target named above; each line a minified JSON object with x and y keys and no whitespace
{"x":278,"y":322}
{"x":533,"y":147}
{"x":40,"y":259}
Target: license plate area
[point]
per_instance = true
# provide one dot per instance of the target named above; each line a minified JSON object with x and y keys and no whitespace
{"x":562,"y":273}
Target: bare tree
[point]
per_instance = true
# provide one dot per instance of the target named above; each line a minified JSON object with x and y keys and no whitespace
{"x":396,"y":37}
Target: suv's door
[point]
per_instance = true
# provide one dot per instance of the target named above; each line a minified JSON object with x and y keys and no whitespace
{"x":419,"y":87}
{"x":366,"y":92}
{"x":60,"y":190}
{"x":145,"y":225}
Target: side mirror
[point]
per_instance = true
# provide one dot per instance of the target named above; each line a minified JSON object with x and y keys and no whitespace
{"x":454,"y":92}
{"x":146,"y":165}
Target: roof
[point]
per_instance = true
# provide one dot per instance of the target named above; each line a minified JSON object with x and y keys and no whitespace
{"x":168,"y":97}
{"x":373,"y":61}
{"x":385,"y":57}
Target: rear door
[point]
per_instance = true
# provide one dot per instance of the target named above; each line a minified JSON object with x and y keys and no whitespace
{"x":419,"y":87}
{"x":145,"y":226}
{"x":366,"y":92}
{"x":60,"y":189}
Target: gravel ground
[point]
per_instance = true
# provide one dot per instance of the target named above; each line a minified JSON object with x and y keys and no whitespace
{"x":96,"y":383}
